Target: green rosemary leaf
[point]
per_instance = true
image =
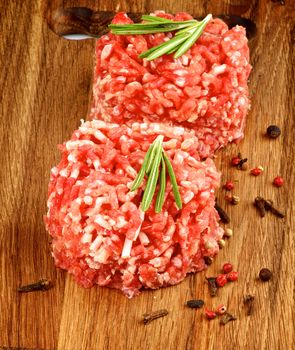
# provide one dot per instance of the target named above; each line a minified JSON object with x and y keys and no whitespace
{"x":138,"y":180}
{"x":152,"y":179}
{"x":145,"y":28}
{"x":193,"y":38}
{"x":173,"y":182}
{"x":149,"y":51}
{"x":162,"y":188}
{"x":150,"y":161}
{"x":156,"y":19}
{"x":187,"y":29}
{"x":172,"y":50}
{"x":171,"y":44}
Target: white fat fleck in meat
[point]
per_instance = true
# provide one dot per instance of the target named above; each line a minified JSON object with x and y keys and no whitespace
{"x":106,"y":52}
{"x":96,"y":243}
{"x":64,"y":172}
{"x":187,"y":143}
{"x":86,"y":238}
{"x":70,"y":145}
{"x":180,"y":82}
{"x":144,"y":240}
{"x":88,"y":200}
{"x":219,"y":69}
{"x":75,"y":173}
{"x":102,"y":222}
{"x":187,"y":197}
{"x":54,"y":171}
{"x":72,"y":158}
{"x":102,"y":255}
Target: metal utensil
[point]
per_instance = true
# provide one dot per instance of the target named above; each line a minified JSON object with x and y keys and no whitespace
{"x":78,"y":23}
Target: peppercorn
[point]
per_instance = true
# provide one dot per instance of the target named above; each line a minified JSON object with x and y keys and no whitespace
{"x":221,"y":280}
{"x":256,"y":171}
{"x":228,"y":232}
{"x":229,"y":185}
{"x":273,"y":131}
{"x":243,"y":166}
{"x":227,"y":268}
{"x":221,"y":243}
{"x":232,"y":276}
{"x":265,"y":274}
{"x":278,"y":181}
{"x":221,"y":309}
{"x":210,"y":314}
{"x":195,"y":304}
{"x":235,"y":161}
{"x":235,"y":200}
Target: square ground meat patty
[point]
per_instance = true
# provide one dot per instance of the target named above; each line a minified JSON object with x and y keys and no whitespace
{"x":205,"y":89}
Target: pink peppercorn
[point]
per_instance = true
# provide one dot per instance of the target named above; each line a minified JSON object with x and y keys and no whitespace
{"x":278,"y":181}
{"x":210,"y":314}
{"x":232,"y":276}
{"x":221,"y":280}
{"x":229,"y":185}
{"x":227,"y":268}
{"x":221,"y":309}
{"x":256,"y":171}
{"x":235,"y":161}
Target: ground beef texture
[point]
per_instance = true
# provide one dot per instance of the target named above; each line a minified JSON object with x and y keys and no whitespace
{"x":99,"y":233}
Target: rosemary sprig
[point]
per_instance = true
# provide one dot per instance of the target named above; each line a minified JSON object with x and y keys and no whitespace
{"x":150,"y":167}
{"x":187,"y":33}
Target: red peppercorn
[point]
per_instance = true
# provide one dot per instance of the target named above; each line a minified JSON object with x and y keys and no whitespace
{"x":235,"y":161}
{"x":227,"y":268}
{"x":210,"y":314}
{"x":221,"y":280}
{"x":229,"y":185}
{"x":221,"y":309}
{"x":256,"y":171}
{"x":232,"y":276}
{"x":278,"y":181}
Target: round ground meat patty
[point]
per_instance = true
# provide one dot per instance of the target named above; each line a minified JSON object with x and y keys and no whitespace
{"x":205,"y":89}
{"x":101,"y":236}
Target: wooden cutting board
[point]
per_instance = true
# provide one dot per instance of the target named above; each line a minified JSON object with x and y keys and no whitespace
{"x":45,"y":91}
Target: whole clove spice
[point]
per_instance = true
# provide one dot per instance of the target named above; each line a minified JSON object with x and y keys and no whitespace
{"x":260,"y":205}
{"x":226,"y":318}
{"x":222,"y":214}
{"x":249,"y":303}
{"x":264,"y":205}
{"x":269,"y":206}
{"x":212,"y":286}
{"x":149,"y":317}
{"x":43,"y":285}
{"x":195,"y":303}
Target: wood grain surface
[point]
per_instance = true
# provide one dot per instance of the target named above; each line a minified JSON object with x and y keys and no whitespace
{"x":45,"y":91}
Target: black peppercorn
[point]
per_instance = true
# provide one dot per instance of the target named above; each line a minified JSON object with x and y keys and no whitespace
{"x":195,"y":304}
{"x":265,"y":275}
{"x":273,"y":131}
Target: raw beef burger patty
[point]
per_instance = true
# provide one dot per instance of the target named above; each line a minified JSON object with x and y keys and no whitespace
{"x":99,"y":233}
{"x":205,"y":89}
